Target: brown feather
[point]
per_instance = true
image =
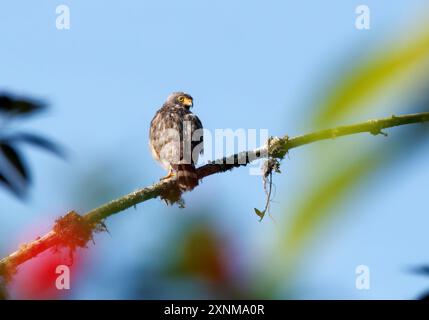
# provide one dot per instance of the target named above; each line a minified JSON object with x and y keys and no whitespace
{"x":187,"y":178}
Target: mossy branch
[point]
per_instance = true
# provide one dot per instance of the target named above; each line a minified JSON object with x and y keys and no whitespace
{"x":74,"y":230}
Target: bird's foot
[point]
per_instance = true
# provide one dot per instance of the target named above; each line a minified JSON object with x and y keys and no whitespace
{"x":168,"y":176}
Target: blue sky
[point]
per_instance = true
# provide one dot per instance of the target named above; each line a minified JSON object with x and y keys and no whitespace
{"x":248,"y":64}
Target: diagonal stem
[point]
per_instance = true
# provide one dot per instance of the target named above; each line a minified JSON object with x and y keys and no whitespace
{"x":277,"y":148}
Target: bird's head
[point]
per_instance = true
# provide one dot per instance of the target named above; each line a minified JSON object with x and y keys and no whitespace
{"x":181,"y":99}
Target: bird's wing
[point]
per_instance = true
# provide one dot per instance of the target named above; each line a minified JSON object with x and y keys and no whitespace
{"x":197,"y":125}
{"x":165,"y":135}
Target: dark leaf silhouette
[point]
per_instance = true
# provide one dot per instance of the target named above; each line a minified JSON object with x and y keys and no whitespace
{"x":15,"y":160}
{"x":14,"y":174}
{"x":37,"y":141}
{"x":13,"y":106}
{"x":424,"y":296}
{"x":16,"y":163}
{"x":10,"y":185}
{"x":421,"y":270}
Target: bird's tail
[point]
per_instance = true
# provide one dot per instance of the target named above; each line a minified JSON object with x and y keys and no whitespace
{"x":187,"y":178}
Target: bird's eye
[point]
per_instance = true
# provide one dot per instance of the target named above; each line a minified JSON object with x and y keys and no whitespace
{"x":181,"y":99}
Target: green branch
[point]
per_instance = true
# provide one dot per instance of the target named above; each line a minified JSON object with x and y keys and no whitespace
{"x":71,"y":235}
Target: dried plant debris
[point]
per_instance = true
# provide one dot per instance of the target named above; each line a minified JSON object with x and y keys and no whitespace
{"x":5,"y":277}
{"x":170,"y":192}
{"x":276,"y":147}
{"x":3,"y":291}
{"x":270,"y":166}
{"x":171,"y":195}
{"x":74,"y":231}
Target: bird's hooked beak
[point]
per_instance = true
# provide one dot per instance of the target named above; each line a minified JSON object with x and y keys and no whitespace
{"x":188,"y":102}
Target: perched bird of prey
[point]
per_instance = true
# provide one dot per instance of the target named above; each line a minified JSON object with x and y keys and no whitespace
{"x":176,"y":139}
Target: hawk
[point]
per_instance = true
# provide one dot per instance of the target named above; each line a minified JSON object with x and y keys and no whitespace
{"x":176,"y":139}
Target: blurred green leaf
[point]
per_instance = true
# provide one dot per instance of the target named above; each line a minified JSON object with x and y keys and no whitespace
{"x":318,"y":206}
{"x":338,"y":170}
{"x":259,"y":213}
{"x":374,"y":75}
